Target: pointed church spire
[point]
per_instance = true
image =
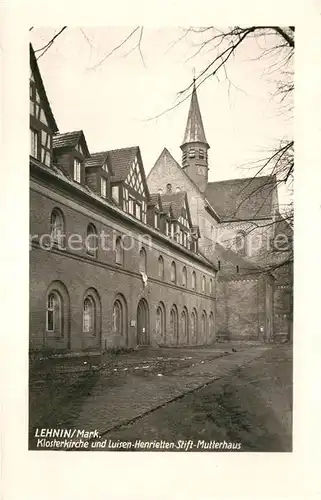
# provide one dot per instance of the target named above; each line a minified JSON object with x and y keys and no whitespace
{"x":194,"y":131}
{"x":195,"y":146}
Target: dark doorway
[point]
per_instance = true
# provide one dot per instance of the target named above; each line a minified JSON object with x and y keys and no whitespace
{"x":143,"y":323}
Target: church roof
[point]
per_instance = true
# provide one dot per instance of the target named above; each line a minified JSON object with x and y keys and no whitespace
{"x":194,"y":131}
{"x":242,"y":199}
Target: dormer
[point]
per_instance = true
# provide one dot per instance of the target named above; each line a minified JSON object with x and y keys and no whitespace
{"x":178,"y":224}
{"x":70,"y":152}
{"x":154,"y":211}
{"x":42,"y":121}
{"x":129,"y":188}
{"x":98,"y":173}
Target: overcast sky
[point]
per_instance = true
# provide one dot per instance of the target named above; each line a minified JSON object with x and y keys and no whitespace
{"x":116,"y":102}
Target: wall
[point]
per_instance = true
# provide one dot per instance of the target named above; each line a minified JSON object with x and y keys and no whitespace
{"x":77,"y":271}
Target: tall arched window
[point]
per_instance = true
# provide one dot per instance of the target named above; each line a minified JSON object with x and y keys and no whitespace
{"x":174,"y":324}
{"x":184,"y":277}
{"x":118,"y":318}
{"x":211,"y":286}
{"x":203,"y":327}
{"x":241,"y":243}
{"x":160,"y":267}
{"x":184,"y":326}
{"x":160,"y":322}
{"x":194,"y":280}
{"x":173,"y":272}
{"x":119,"y":252}
{"x":57,"y":227}
{"x":194,"y":327}
{"x":54,"y":313}
{"x":91,"y":318}
{"x":89,"y":315}
{"x":92,"y":240}
{"x":211,"y":332}
{"x":143,"y":261}
{"x":203,"y":284}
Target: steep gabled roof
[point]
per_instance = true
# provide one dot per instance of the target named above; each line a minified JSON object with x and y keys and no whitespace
{"x":41,"y":89}
{"x":242,"y":199}
{"x":194,"y":131}
{"x":121,"y":161}
{"x":98,"y":160}
{"x":70,"y":140}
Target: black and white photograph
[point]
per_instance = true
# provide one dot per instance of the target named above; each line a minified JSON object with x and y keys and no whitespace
{"x":161,"y":238}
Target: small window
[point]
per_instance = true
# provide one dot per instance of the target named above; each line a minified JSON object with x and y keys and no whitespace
{"x":219,"y":265}
{"x":167,"y":228}
{"x":142,"y":261}
{"x":237,"y":269}
{"x":34,"y":143}
{"x":169,"y":188}
{"x":119,"y":251}
{"x":193,"y":280}
{"x":211,"y":286}
{"x":161,"y":267}
{"x":173,"y":272}
{"x":203,"y":284}
{"x":191,"y":153}
{"x":103,"y":187}
{"x":92,"y":240}
{"x":240,"y":243}
{"x":138,"y":211}
{"x":115,"y":193}
{"x":178,"y":189}
{"x":131,"y":205}
{"x":201,"y":154}
{"x":184,"y":277}
{"x":77,"y":170}
{"x":57,"y":227}
{"x":156,"y":220}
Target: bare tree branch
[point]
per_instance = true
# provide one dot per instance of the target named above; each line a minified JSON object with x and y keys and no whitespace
{"x":114,"y":49}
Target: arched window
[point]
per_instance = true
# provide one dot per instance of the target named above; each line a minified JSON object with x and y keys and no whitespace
{"x":211,"y":332}
{"x":120,"y":317}
{"x":143,"y":261}
{"x":91,"y":318}
{"x":194,"y":327}
{"x":203,"y":284}
{"x":178,"y":189}
{"x":194,"y":280}
{"x":168,"y":188}
{"x":184,"y":326}
{"x":241,"y":243}
{"x":174,"y":324}
{"x":89,"y":315}
{"x":57,"y":227}
{"x":211,"y":286}
{"x":92,"y":240}
{"x":119,"y":251}
{"x":160,"y":267}
{"x":56,"y":318}
{"x":173,"y":272}
{"x":160,"y":322}
{"x":54,"y":314}
{"x":203,"y":327}
{"x":184,"y":277}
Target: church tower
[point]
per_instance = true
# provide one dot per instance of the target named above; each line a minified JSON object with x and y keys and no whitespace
{"x":195,"y":146}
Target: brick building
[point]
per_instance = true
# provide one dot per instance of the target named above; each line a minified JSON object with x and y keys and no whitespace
{"x":120,"y":260}
{"x":111,"y":265}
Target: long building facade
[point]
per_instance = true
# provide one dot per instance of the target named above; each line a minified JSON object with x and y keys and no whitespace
{"x":119,"y":260}
{"x":111,"y":265}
